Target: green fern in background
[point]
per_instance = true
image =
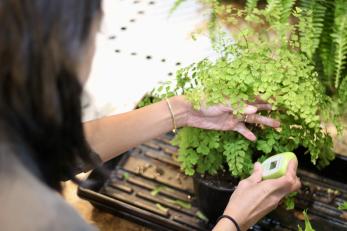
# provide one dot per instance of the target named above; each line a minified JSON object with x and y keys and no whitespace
{"x":279,"y":10}
{"x":323,"y":37}
{"x":339,"y":37}
{"x":251,"y":5}
{"x":311,"y":25}
{"x":324,"y":62}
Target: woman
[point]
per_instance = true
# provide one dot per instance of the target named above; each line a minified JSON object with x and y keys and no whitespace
{"x":46,"y":48}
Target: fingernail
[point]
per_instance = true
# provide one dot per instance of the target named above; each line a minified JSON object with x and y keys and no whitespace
{"x":250,"y":109}
{"x":252,"y":137}
{"x":257,"y":166}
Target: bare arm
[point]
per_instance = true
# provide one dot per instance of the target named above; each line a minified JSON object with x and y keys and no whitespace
{"x":111,"y":136}
{"x":114,"y":135}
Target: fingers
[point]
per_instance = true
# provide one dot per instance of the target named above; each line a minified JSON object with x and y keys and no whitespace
{"x":291,"y":173}
{"x":292,"y":167}
{"x":257,"y":174}
{"x":243,"y":130}
{"x":249,"y":109}
{"x":258,"y":119}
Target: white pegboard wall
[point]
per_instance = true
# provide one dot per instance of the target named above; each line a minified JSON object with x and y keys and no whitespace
{"x":139,"y":45}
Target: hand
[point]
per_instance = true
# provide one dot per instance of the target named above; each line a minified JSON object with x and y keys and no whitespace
{"x":254,"y":198}
{"x":220,"y":117}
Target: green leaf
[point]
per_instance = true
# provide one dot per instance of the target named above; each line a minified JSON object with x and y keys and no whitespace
{"x":157,"y":190}
{"x":125,"y":176}
{"x":343,"y":206}
{"x":308,"y":226}
{"x":289,"y":201}
{"x":201,"y":216}
{"x":161,"y":208}
{"x":180,"y":203}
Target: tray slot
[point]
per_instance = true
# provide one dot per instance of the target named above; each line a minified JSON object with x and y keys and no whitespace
{"x":154,"y":170}
{"x":165,"y":191}
{"x":122,"y":187}
{"x":166,"y":203}
{"x":153,"y":145}
{"x":138,"y":203}
{"x":160,"y":157}
{"x":189,"y":221}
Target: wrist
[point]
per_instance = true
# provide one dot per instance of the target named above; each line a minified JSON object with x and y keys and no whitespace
{"x":181,"y":107}
{"x":224,"y":225}
{"x":239,"y":218}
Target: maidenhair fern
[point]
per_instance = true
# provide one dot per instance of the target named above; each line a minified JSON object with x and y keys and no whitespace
{"x":288,"y":66}
{"x":269,"y":67}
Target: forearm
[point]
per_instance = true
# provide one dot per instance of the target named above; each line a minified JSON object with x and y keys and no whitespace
{"x":114,"y":135}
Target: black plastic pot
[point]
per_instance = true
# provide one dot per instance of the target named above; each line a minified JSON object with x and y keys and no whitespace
{"x":213,"y":193}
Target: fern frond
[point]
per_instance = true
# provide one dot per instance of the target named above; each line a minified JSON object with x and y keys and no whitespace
{"x":273,"y":9}
{"x":251,"y":5}
{"x":342,"y":92}
{"x":286,"y":11}
{"x":326,"y":48}
{"x":340,"y":39}
{"x":311,"y":26}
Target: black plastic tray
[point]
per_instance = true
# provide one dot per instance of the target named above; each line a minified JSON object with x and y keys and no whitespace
{"x":126,"y":192}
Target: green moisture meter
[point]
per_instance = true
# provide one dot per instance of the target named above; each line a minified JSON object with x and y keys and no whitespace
{"x":276,"y":166}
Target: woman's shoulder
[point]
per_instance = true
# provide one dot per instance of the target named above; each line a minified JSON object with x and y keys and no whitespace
{"x":28,"y":204}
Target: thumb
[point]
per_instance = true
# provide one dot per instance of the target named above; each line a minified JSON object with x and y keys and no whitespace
{"x":257,"y":173}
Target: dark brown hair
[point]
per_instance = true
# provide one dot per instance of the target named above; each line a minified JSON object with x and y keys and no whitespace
{"x":41,"y":42}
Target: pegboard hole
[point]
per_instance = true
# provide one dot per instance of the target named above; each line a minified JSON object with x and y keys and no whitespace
{"x":163,"y":60}
{"x":148,"y":57}
{"x":123,"y":28}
